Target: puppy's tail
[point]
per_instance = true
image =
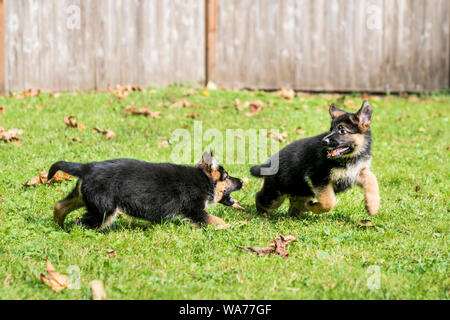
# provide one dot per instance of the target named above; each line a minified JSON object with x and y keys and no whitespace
{"x":256,"y":171}
{"x":75,"y":169}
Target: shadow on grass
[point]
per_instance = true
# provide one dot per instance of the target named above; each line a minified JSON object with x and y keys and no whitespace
{"x":308,"y":218}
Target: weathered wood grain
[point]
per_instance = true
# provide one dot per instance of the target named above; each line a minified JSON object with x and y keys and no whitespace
{"x":334,"y":45}
{"x":140,"y":42}
{"x":318,"y":45}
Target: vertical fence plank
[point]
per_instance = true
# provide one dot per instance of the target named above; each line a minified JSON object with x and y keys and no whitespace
{"x":2,"y":48}
{"x":211,"y":39}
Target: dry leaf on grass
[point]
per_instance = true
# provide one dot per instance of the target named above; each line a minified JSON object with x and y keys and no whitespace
{"x":189,"y":92}
{"x":194,"y":115}
{"x":29,"y":93}
{"x":255,"y":106}
{"x":111,"y":252}
{"x":181,"y":104}
{"x":108,"y":133}
{"x":123,"y":92}
{"x":286,"y":93}
{"x":2,"y":198}
{"x":277,"y":246}
{"x":143,"y":111}
{"x":10,"y":135}
{"x":55,"y":280}
{"x":2,"y":109}
{"x":75,"y":139}
{"x":97,"y":290}
{"x":42,"y":179}
{"x":279,"y":136}
{"x":71,"y":122}
{"x":365,"y":224}
{"x":300,"y":131}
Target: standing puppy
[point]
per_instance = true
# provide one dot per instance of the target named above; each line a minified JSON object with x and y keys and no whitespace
{"x":151,"y":191}
{"x":322,"y":166}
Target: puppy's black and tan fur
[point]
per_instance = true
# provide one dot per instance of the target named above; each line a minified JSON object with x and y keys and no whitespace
{"x":322,"y":166}
{"x":151,"y":191}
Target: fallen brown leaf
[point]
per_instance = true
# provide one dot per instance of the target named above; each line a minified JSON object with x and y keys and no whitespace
{"x":2,"y":109}
{"x":71,"y":122}
{"x":143,"y":111}
{"x":55,"y":280}
{"x":111,"y":252}
{"x":286,"y":93}
{"x":277,"y":246}
{"x":42,"y":179}
{"x":97,"y":290}
{"x":2,"y":198}
{"x":76,"y":139}
{"x":181,"y":104}
{"x":10,"y":135}
{"x":279,"y":136}
{"x":189,"y":92}
{"x":255,"y":106}
{"x":194,"y":115}
{"x":108,"y":133}
{"x":417,"y":188}
{"x":300,"y":131}
{"x":29,"y":93}
{"x":123,"y":92}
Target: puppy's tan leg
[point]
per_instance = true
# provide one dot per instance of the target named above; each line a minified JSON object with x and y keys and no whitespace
{"x":213,"y":220}
{"x":297,"y":206}
{"x":369,"y":183}
{"x":65,"y":206}
{"x":209,"y":219}
{"x":326,"y":200}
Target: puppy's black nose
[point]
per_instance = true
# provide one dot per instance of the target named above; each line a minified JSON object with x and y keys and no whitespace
{"x":325,"y":141}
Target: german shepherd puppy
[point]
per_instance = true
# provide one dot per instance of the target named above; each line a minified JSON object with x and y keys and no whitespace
{"x":322,"y":166}
{"x":151,"y":191}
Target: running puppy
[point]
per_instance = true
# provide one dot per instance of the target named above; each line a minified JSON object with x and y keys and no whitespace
{"x":151,"y":191}
{"x":322,"y":166}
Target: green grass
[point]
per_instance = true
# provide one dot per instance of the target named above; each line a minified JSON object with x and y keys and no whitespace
{"x":333,"y":257}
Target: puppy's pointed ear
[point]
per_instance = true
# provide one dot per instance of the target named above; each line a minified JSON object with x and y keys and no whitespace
{"x":335,"y":112}
{"x":208,"y":161}
{"x":363,"y":115}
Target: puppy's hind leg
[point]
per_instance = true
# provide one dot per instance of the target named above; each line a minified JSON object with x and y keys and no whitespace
{"x":268,"y":199}
{"x":96,"y":219}
{"x":70,"y":203}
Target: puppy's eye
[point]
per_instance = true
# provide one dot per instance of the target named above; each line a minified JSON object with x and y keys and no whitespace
{"x":342,"y":131}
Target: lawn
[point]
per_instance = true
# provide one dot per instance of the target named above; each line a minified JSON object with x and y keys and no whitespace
{"x":404,"y":256}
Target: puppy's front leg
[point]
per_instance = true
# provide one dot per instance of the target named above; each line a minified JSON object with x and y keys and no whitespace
{"x":369,"y":183}
{"x":326,"y":200}
{"x":209,"y":219}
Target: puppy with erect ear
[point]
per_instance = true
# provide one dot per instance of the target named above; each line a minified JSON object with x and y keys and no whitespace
{"x":223,"y":183}
{"x":317,"y":168}
{"x":151,"y":191}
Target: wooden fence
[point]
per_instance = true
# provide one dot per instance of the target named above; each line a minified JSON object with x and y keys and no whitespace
{"x":317,"y":45}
